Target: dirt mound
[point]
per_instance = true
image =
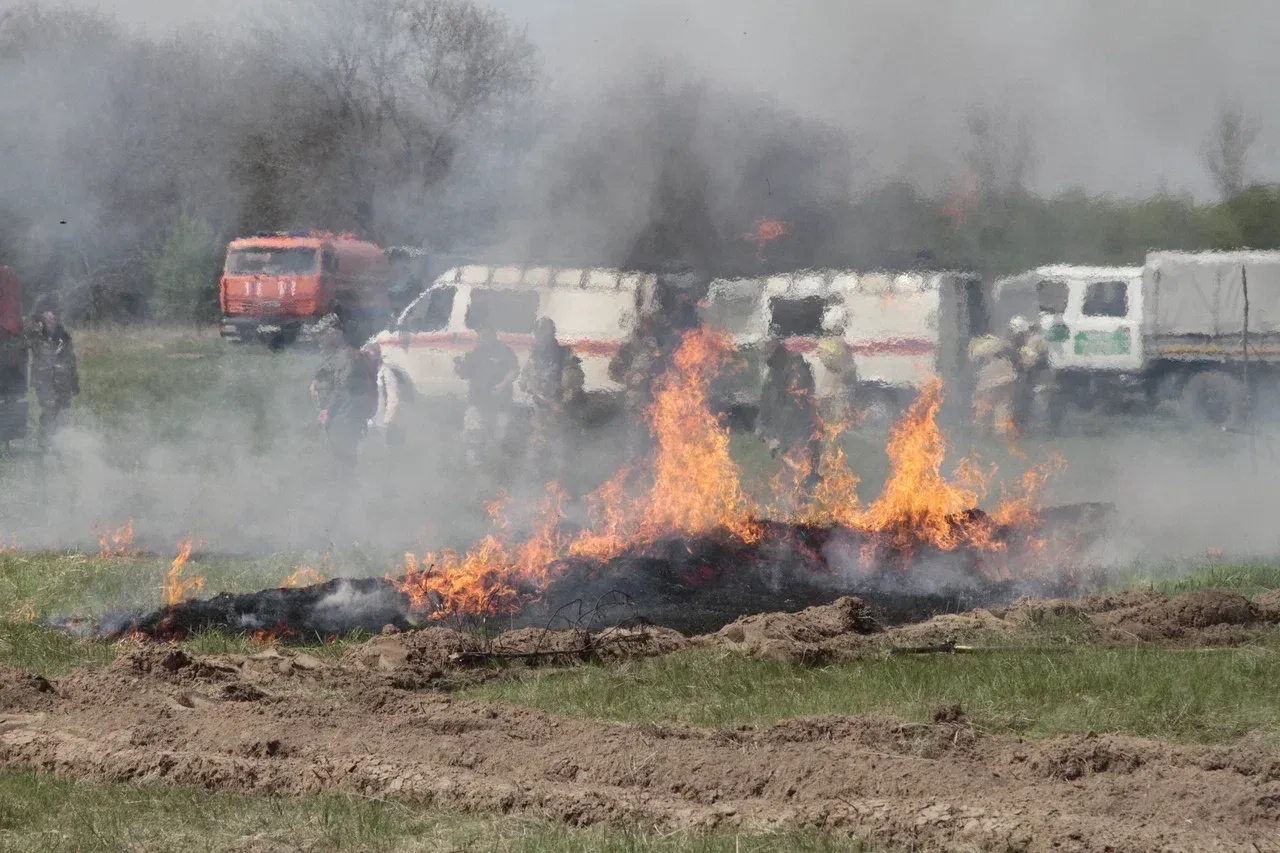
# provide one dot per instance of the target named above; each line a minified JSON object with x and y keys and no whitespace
{"x":814,"y":635}
{"x":22,"y":691}
{"x":1269,"y":606}
{"x":1211,"y":615}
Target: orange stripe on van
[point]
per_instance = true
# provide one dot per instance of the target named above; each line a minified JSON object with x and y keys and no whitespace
{"x":520,"y":343}
{"x":888,"y":346}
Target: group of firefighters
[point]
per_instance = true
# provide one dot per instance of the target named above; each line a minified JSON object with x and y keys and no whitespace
{"x":353,"y":387}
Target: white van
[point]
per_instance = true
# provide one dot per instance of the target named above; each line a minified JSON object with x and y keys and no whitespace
{"x":594,"y":311}
{"x":903,"y":328}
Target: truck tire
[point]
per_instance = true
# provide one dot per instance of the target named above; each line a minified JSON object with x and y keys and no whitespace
{"x":1213,"y":398}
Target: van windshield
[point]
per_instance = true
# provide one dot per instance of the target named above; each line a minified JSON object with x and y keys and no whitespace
{"x":271,"y":260}
{"x":509,"y":311}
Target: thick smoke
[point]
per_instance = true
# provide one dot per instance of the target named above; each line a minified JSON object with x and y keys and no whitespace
{"x":658,"y":135}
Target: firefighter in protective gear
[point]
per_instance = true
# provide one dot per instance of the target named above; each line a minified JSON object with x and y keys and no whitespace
{"x":1029,"y":355}
{"x":837,"y":357}
{"x":490,"y":370}
{"x":554,"y":388}
{"x":345,"y":390}
{"x":788,"y":421}
{"x":1008,"y":369}
{"x":54,"y":371}
{"x":637,"y":365}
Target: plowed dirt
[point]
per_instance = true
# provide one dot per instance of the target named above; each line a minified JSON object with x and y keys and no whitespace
{"x":285,"y":722}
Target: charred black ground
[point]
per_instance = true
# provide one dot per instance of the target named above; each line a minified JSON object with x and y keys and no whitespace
{"x":692,"y":584}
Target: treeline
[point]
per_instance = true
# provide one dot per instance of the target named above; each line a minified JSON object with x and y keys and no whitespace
{"x":129,"y":160}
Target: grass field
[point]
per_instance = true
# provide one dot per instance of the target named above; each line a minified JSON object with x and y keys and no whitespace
{"x":39,"y":814}
{"x":167,"y":379}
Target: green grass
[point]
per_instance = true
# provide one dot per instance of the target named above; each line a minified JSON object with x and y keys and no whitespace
{"x":1217,"y":696}
{"x":84,"y":584}
{"x":39,"y":813}
{"x":1249,"y":579}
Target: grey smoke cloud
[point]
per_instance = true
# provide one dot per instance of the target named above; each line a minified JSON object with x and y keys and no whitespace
{"x":1120,"y":93}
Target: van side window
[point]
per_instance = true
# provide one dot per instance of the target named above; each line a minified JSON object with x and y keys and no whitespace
{"x":432,"y":314}
{"x":1106,"y":299}
{"x":509,"y":311}
{"x":796,"y":317}
{"x":1053,"y":297}
{"x":330,"y":262}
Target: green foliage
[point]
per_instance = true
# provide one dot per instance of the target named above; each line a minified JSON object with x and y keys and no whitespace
{"x":185,"y":270}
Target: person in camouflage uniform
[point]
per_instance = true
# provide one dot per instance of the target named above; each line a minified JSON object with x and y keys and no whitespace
{"x":490,"y":370}
{"x":54,"y":371}
{"x":550,"y":378}
{"x":345,"y":389}
{"x":788,"y":421}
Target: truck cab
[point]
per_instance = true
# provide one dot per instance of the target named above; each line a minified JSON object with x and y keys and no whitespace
{"x":1091,"y":317}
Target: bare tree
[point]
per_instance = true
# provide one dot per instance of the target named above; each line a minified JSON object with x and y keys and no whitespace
{"x":1000,"y":150}
{"x":1226,"y":152}
{"x":391,"y":90}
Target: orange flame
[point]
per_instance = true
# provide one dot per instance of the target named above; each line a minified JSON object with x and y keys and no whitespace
{"x":12,"y":546}
{"x":303,"y":576}
{"x":696,"y":486}
{"x":176,"y":588}
{"x":918,"y":504}
{"x":117,"y":543}
{"x":766,"y":230}
{"x":492,"y":577}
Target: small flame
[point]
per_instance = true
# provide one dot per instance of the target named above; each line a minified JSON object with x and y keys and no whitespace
{"x":303,"y":576}
{"x":115,"y":543}
{"x":492,"y":577}
{"x":176,"y":588}
{"x":764,"y":231}
{"x":12,"y":546}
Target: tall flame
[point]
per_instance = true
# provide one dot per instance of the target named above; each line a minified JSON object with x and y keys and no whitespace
{"x":697,"y":486}
{"x":176,"y":588}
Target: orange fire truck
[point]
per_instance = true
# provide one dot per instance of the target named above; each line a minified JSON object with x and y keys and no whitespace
{"x":273,"y":283}
{"x":13,"y":360}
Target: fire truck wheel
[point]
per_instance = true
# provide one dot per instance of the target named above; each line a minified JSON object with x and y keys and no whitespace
{"x":1213,"y":398}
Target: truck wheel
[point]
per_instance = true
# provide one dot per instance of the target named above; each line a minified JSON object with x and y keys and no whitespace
{"x":1213,"y":398}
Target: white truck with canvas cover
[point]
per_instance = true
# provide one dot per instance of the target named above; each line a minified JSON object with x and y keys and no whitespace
{"x":594,"y":311}
{"x":903,"y":329}
{"x":1172,"y":330}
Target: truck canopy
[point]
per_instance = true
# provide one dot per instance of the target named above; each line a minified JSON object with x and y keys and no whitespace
{"x":1203,"y":293}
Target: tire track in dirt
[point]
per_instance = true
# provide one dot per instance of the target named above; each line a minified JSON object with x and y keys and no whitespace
{"x":932,"y":786}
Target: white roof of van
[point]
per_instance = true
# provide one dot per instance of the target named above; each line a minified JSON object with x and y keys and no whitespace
{"x":1079,"y":273}
{"x":517,"y":277}
{"x":1250,"y":256}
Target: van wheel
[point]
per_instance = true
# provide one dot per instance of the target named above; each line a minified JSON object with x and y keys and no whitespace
{"x":1213,"y":398}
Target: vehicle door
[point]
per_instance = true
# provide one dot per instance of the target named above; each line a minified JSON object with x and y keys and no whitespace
{"x":1103,"y":326}
{"x":428,"y":337}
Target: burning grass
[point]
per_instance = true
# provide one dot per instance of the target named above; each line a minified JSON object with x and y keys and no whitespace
{"x":694,"y":491}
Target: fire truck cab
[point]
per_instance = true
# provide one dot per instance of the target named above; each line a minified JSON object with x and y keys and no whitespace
{"x":274,"y":283}
{"x":13,"y":360}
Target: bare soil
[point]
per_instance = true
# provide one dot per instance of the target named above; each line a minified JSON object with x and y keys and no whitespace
{"x":288,"y":722}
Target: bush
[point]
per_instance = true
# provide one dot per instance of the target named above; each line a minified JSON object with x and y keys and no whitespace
{"x":185,"y":270}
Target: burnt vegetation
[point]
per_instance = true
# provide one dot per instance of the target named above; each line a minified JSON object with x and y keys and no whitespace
{"x":426,"y":123}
